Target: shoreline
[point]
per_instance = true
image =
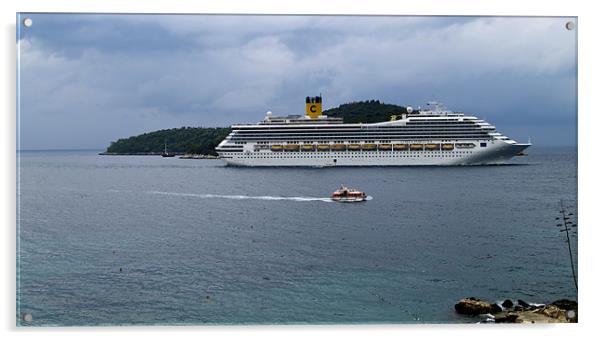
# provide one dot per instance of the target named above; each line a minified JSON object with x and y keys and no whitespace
{"x":131,"y":154}
{"x":180,"y":155}
{"x":518,"y":311}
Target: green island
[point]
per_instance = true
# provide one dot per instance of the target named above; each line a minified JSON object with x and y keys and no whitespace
{"x":203,"y":140}
{"x":369,"y":111}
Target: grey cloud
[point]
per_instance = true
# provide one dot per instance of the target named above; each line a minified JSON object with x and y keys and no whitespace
{"x":119,"y":75}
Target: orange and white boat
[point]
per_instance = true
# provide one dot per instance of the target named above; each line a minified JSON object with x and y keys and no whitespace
{"x":348,"y":195}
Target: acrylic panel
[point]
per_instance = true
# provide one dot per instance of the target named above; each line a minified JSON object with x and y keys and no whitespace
{"x":280,"y":169}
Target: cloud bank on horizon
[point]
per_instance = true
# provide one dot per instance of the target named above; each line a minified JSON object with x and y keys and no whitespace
{"x":86,"y":80}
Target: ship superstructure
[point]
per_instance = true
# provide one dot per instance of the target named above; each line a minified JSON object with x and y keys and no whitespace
{"x":433,"y":136}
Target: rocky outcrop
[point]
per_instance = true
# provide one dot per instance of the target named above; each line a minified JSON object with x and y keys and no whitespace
{"x":561,"y":311}
{"x":565,"y":304}
{"x":508,"y":318}
{"x":523,"y":303}
{"x":507,"y":303}
{"x":553,"y":312}
{"x":474,"y":306}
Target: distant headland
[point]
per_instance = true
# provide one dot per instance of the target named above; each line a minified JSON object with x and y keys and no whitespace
{"x":202,"y":141}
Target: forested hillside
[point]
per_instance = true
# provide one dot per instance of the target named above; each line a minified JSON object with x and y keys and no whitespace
{"x":194,"y":140}
{"x":198,"y":140}
{"x":369,"y":111}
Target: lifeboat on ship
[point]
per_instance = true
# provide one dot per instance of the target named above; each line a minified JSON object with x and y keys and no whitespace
{"x":291,"y":147}
{"x":348,"y":195}
{"x":400,"y":146}
{"x":308,"y":147}
{"x":353,"y":147}
{"x":384,"y":147}
{"x":276,"y":147}
{"x":368,"y":147}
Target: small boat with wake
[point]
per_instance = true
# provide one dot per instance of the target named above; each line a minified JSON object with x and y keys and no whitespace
{"x":345,"y":194}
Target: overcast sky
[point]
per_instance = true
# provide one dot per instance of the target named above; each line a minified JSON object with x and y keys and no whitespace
{"x":87,"y":80}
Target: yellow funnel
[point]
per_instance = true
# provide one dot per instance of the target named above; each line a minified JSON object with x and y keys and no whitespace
{"x":313,"y":107}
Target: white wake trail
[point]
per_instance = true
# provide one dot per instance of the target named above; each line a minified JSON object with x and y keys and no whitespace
{"x":244,"y":197}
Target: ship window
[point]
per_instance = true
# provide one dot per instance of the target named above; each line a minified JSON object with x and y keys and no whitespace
{"x":483,"y":145}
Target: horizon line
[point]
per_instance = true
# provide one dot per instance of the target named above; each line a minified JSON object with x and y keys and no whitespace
{"x":102,"y":149}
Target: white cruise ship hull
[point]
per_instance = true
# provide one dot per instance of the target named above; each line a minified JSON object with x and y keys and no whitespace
{"x":428,"y":137}
{"x":497,"y":152}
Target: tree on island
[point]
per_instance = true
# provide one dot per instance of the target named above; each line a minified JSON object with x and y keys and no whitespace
{"x":196,"y":140}
{"x":199,"y":140}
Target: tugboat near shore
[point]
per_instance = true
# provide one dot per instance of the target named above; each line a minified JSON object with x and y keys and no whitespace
{"x":347,"y":195}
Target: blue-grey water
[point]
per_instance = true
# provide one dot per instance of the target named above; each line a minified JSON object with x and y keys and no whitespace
{"x":109,"y":240}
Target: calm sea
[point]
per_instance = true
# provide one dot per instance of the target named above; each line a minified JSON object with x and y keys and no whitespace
{"x":112,"y":240}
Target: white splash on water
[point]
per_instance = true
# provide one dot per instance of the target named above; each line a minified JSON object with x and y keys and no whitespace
{"x":241,"y":197}
{"x":244,"y":197}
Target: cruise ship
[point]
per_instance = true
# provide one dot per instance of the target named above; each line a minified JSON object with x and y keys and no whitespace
{"x":430,"y":136}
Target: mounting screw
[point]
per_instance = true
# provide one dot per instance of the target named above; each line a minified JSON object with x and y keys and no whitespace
{"x":27,"y":317}
{"x":570,"y":25}
{"x":27,"y":22}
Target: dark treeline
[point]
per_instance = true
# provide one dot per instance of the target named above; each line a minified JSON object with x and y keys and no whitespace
{"x":197,"y":140}
{"x":194,"y":140}
{"x":369,"y":111}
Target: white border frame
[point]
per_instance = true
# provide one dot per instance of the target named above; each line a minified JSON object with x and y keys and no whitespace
{"x":589,"y":71}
